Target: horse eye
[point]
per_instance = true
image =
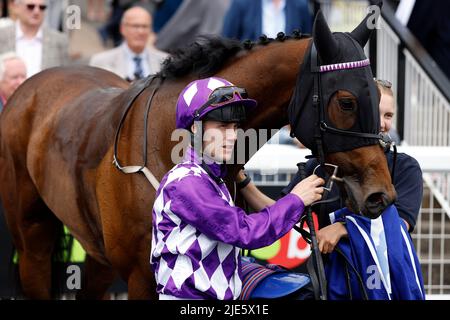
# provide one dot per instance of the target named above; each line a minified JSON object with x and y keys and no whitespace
{"x":347,"y":105}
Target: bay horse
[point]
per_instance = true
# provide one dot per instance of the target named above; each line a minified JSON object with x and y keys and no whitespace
{"x":57,"y":144}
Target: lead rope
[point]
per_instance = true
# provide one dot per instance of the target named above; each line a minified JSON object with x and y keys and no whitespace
{"x":315,"y":263}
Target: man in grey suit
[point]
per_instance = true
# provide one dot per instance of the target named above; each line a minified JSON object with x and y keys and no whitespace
{"x":134,"y":58}
{"x":39,"y":47}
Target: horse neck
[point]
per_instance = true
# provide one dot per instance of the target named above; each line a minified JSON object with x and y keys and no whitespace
{"x":271,"y":83}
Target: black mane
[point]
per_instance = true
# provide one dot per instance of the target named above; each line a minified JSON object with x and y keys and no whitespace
{"x":202,"y":58}
{"x":208,"y":54}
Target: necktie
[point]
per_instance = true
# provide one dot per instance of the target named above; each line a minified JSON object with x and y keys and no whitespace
{"x":138,"y":71}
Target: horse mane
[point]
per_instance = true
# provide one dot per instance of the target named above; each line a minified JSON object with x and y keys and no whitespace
{"x":209,"y":53}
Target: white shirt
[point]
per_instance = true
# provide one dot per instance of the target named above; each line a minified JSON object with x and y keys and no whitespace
{"x":131,"y":65}
{"x":273,"y":19}
{"x":30,"y":50}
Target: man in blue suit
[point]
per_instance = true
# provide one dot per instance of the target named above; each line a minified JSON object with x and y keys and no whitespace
{"x":248,"y":19}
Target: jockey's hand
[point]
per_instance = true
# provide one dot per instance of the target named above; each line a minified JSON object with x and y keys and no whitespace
{"x":309,"y":190}
{"x":329,"y":236}
{"x":240,"y":176}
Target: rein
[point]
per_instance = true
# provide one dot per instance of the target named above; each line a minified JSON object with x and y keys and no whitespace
{"x":143,"y":168}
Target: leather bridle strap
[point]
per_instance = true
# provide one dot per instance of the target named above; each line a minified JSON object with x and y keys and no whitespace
{"x":136,"y":169}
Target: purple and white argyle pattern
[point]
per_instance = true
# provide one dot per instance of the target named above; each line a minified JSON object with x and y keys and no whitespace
{"x":187,"y":263}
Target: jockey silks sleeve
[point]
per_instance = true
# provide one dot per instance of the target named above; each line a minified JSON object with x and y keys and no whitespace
{"x":197,"y":202}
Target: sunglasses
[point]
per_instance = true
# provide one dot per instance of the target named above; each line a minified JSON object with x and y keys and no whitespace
{"x":41,"y":7}
{"x":384,"y":83}
{"x":223,"y":95}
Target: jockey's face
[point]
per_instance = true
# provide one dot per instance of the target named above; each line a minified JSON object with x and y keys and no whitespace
{"x":219,"y":139}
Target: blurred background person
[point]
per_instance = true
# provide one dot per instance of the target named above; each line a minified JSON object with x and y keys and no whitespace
{"x":248,"y":19}
{"x":111,"y":29}
{"x":191,"y":19}
{"x":13,"y":73}
{"x":96,"y":10}
{"x":164,"y":10}
{"x":8,"y":14}
{"x":38,"y":46}
{"x":135,"y":58}
{"x":55,"y":14}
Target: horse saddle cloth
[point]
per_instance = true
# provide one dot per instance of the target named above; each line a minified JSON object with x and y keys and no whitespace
{"x":272,"y":282}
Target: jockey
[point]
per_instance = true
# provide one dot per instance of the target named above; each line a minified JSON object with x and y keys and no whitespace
{"x":197,"y":231}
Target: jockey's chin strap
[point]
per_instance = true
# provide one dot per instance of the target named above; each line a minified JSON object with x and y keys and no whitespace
{"x":143,"y":168}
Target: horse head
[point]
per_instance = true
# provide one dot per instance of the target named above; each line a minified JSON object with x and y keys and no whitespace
{"x":335,"y":113}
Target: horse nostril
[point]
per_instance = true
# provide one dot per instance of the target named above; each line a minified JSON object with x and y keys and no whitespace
{"x":376,"y":198}
{"x":375,"y":204}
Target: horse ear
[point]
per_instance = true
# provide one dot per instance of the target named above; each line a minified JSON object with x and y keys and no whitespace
{"x":363,"y":31}
{"x":324,"y":40}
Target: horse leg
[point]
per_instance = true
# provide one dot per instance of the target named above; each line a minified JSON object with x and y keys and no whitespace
{"x":33,"y":226}
{"x":97,"y":279}
{"x":38,"y":232}
{"x":141,"y":282}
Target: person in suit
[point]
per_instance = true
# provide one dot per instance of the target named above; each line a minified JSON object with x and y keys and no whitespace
{"x":248,"y":19}
{"x":191,"y":19}
{"x":38,"y":46}
{"x":134,"y":58}
{"x":13,"y":73}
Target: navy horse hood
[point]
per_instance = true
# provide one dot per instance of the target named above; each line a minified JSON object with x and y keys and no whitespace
{"x":335,"y":50}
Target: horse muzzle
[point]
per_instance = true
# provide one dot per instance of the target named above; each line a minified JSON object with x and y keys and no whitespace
{"x":370,"y":204}
{"x":376,"y":203}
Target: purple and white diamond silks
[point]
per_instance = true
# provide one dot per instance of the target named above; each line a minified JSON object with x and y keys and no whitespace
{"x":197,"y":233}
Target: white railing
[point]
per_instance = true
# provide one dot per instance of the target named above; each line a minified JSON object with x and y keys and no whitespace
{"x":432,"y":242}
{"x":427,"y":111}
{"x":387,"y":55}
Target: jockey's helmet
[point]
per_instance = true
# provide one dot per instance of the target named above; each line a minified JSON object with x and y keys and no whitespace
{"x":212,"y":99}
